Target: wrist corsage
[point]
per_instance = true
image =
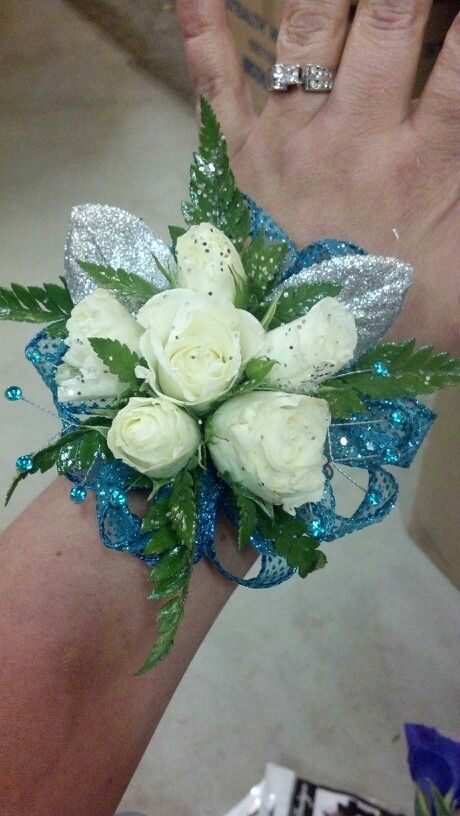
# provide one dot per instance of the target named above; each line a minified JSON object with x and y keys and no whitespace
{"x":228,"y":372}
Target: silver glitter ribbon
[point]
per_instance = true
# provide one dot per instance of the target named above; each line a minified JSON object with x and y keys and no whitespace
{"x":108,"y":236}
{"x":373,"y":288}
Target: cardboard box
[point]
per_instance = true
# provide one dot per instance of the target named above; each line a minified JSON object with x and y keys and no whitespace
{"x":255,"y":27}
{"x":148,"y":30}
{"x":435,"y":519}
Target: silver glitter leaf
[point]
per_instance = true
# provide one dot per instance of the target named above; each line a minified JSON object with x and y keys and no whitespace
{"x":373,"y":288}
{"x":108,"y":236}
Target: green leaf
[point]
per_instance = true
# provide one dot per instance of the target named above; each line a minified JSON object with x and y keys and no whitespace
{"x":169,"y":586}
{"x":411,"y":372}
{"x":18,"y":478}
{"x":241,"y":290}
{"x":214,"y":196}
{"x":342,"y":398}
{"x":118,"y":358}
{"x":267,"y":318}
{"x":81,"y":453}
{"x":156,"y":516}
{"x":293,"y":542}
{"x":139,"y":482}
{"x":46,"y":458}
{"x":262,"y":262}
{"x":421,"y":806}
{"x":99,"y":422}
{"x":163,"y":539}
{"x":247,"y":516}
{"x":182,"y":508}
{"x":120,"y":282}
{"x":175,"y":233}
{"x":258,"y":368}
{"x":57,"y":329}
{"x":35,"y":304}
{"x":442,"y":806}
{"x":296,"y":302}
{"x":170,"y":563}
{"x":168,"y":620}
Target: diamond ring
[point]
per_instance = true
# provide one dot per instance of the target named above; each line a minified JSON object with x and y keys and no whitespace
{"x":312,"y":78}
{"x":283,"y":76}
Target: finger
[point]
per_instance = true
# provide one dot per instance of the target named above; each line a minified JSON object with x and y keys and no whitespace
{"x":379,"y":62}
{"x":437,"y":115}
{"x":311,"y":32}
{"x":215,"y":67}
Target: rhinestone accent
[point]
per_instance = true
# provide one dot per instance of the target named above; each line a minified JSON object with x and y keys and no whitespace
{"x":13,"y":393}
{"x":318,"y":78}
{"x":24,"y":464}
{"x":78,"y":494}
{"x":285,"y":76}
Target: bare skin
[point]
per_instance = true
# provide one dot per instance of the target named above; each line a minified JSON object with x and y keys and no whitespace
{"x":75,"y":626}
{"x":361,"y":162}
{"x":75,"y":623}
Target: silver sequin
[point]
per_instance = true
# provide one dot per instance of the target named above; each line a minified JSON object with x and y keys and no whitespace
{"x":373,"y":288}
{"x":109,"y":236}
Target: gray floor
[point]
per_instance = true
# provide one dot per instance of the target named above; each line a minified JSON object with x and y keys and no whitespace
{"x":320,"y":675}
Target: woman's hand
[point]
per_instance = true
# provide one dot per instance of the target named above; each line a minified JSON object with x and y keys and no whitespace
{"x":362,"y":163}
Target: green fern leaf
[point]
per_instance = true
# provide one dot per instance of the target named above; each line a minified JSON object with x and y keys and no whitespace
{"x":296,"y":302}
{"x":119,"y":359}
{"x":34,"y":304}
{"x":406,"y":372}
{"x":182,"y":508}
{"x":121,"y":283}
{"x":262,"y":261}
{"x":214,"y":196}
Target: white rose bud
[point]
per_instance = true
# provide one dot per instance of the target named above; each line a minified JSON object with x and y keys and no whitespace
{"x":208,"y":262}
{"x":273,"y":444}
{"x":84,"y":375}
{"x":195,"y":345}
{"x":313,"y":347}
{"x":153,"y":436}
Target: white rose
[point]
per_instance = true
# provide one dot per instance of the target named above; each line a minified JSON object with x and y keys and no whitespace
{"x":312,"y":347}
{"x":273,"y":444}
{"x":84,"y":375}
{"x":208,"y":262}
{"x":153,"y":436}
{"x":195,"y":345}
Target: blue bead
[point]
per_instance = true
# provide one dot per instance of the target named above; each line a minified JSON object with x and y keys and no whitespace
{"x":33,"y":355}
{"x":328,"y":471}
{"x":374,"y":498}
{"x":316,"y":528}
{"x":391,"y":456}
{"x":78,"y":494}
{"x":117,"y":497}
{"x":13,"y":393}
{"x":397,"y":417}
{"x":24,"y":464}
{"x":381,"y":370}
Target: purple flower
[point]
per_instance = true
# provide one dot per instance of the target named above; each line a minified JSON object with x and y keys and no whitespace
{"x":433,"y":760}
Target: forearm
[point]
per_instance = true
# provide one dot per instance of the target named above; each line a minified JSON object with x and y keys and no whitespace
{"x":75,"y":627}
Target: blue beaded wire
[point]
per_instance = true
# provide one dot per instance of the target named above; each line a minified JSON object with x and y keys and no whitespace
{"x":389,"y":432}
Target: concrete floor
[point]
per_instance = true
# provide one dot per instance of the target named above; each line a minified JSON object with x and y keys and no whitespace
{"x":326,"y":671}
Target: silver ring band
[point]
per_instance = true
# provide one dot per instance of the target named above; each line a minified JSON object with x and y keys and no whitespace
{"x":312,"y":78}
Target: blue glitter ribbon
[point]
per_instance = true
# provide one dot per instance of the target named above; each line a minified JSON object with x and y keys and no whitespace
{"x":389,"y":433}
